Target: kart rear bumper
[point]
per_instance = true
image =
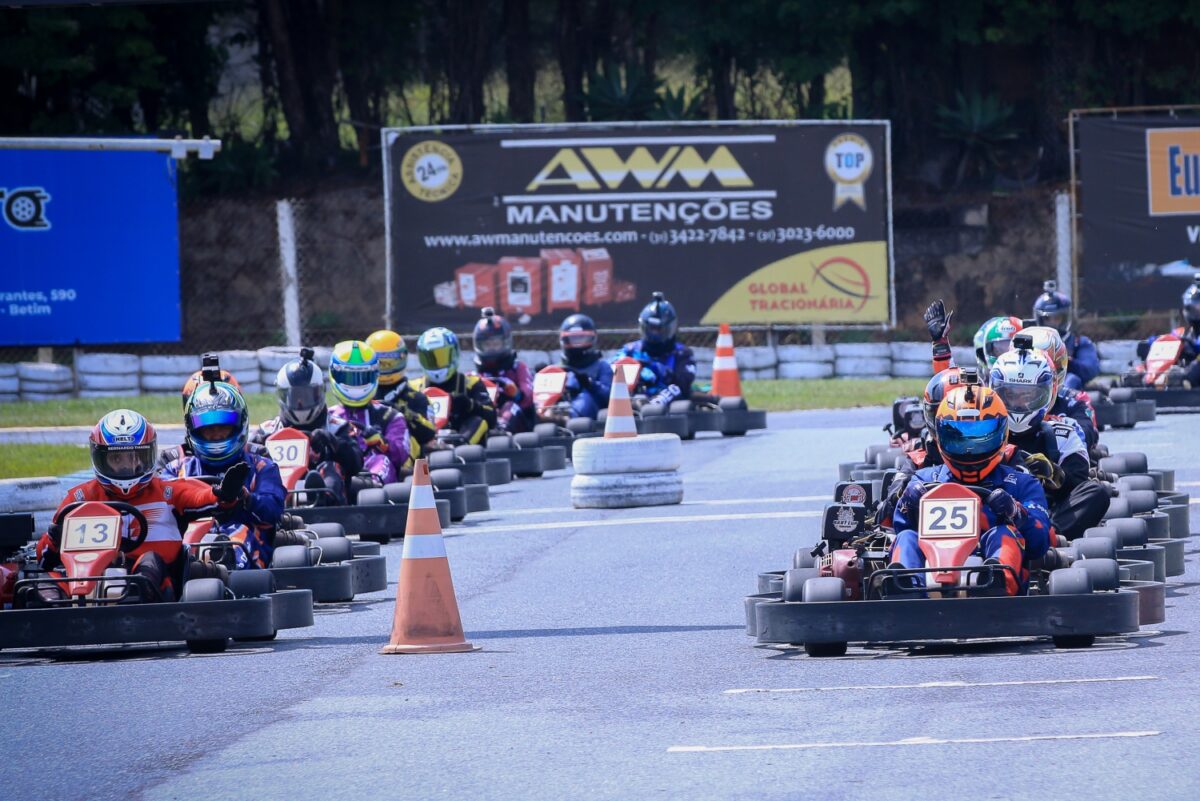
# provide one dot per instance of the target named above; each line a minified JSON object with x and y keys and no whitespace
{"x":368,"y":522}
{"x":161,"y":622}
{"x":336,"y":582}
{"x":1170,"y":401}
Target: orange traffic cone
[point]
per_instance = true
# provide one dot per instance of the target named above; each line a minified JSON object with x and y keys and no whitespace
{"x":426,"y":619}
{"x":725,"y":380}
{"x":620,"y":422}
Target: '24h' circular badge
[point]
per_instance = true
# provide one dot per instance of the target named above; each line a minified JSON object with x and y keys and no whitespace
{"x":431,"y":171}
{"x":848,"y":161}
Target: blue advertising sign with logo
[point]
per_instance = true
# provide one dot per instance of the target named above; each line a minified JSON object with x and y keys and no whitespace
{"x":89,"y":248}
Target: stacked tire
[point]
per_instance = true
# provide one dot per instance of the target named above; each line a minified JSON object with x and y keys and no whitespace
{"x":243,"y":365}
{"x":40,"y":381}
{"x":166,"y":375}
{"x":10,"y":383}
{"x":626,"y":472}
{"x":273,"y":358}
{"x":108,"y":375}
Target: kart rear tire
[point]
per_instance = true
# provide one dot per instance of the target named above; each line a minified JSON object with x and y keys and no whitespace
{"x":732,"y":403}
{"x":803,"y":558}
{"x":526,"y":439}
{"x":1105,"y":573}
{"x":1114,"y":464}
{"x":442,"y":459}
{"x":203,"y":589}
{"x":326,"y":529}
{"x":827,"y":589}
{"x":371,"y":497}
{"x":1136,"y":482}
{"x":335,"y":549}
{"x":581,"y":425}
{"x":1088,"y":548}
{"x":397,"y":492}
{"x":445,"y":478}
{"x":470,"y":453}
{"x":1070,"y":581}
{"x":546,"y":430}
{"x":498,"y":471}
{"x":1121,"y":395}
{"x":1135,"y":461}
{"x":794,"y":580}
{"x":289,"y":556}
{"x":1131,"y":532}
{"x":251,"y":583}
{"x":873,"y":451}
{"x":1140,"y":500}
{"x":1117,"y":508}
{"x":554,"y":457}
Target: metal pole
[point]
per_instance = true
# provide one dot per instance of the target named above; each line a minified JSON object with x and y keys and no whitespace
{"x":285,"y":222}
{"x":1062,"y":241}
{"x":387,"y":136}
{"x":178,"y":148}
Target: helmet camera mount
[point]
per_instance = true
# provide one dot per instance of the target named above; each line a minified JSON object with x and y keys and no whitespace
{"x":307,"y":354}
{"x":1022,"y":342}
{"x":210,"y":371}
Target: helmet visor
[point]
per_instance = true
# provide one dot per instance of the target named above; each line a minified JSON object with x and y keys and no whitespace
{"x":997,"y":347}
{"x":972,"y":437}
{"x":436,"y":358}
{"x":1056,"y":319}
{"x":301,"y":399}
{"x":354,"y":375}
{"x":123,"y":464}
{"x":1022,"y":398}
{"x":391,"y":362}
{"x":654,"y":329}
{"x":214,"y":417}
{"x":577,"y":339}
{"x":491,"y":346}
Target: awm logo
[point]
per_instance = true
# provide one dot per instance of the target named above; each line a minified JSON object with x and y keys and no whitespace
{"x":596,"y":168}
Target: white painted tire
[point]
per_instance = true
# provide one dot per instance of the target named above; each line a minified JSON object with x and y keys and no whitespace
{"x":163,"y":383}
{"x":272,"y":358}
{"x":10,"y":385}
{"x":862,"y":350}
{"x":251,"y":387}
{"x":1118,"y":350}
{"x":1113,"y":366}
{"x":640,"y":454}
{"x":756,"y":358}
{"x":9,"y":397}
{"x":912,"y":369}
{"x":8,"y":370}
{"x":169,"y":365}
{"x":862,"y":367}
{"x":107,"y":364}
{"x":40,"y":371}
{"x":765,"y":374}
{"x":801,"y":370}
{"x":267,"y":378}
{"x":964,"y":355}
{"x":109,"y":381}
{"x":625,"y":490}
{"x":29,"y":494}
{"x":108,"y":393}
{"x":48,"y":387}
{"x":238,"y":361}
{"x":44,"y":396}
{"x":702,"y":355}
{"x":805,"y":353}
{"x":911,"y":351}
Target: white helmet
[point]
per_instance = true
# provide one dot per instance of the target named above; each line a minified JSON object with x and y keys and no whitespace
{"x":300,"y":388}
{"x":1024,"y":380}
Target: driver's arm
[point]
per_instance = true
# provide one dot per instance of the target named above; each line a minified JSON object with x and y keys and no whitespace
{"x":1085,"y":361}
{"x":1036,"y":527}
{"x":265,"y":502}
{"x":189,"y":496}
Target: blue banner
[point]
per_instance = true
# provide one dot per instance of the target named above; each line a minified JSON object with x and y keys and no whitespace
{"x":89,"y":248}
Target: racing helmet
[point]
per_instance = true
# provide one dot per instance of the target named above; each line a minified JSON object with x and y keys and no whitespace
{"x":980,"y":357}
{"x":996,"y":339}
{"x":1053,"y":309}
{"x":935,"y":391}
{"x":393,"y":356}
{"x":493,"y":342}
{"x":300,"y":390}
{"x":216,"y":423}
{"x":577,"y":337}
{"x":354,"y":372}
{"x":1047,"y":339}
{"x":437,"y":350}
{"x":124,"y":450}
{"x":658,"y":323}
{"x":971,"y":428}
{"x":198,"y":377}
{"x":1191,"y":302}
{"x":1024,"y":380}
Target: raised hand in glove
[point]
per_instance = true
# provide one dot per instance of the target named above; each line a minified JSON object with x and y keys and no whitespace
{"x":233,"y":483}
{"x":1006,"y":508}
{"x":373,"y":436}
{"x":507,"y":387}
{"x":323,"y":443}
{"x":937,"y":320}
{"x":1044,"y":470}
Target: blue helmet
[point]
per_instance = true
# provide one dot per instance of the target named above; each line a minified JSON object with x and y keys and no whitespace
{"x":658,"y":323}
{"x":1053,"y":309}
{"x":217,"y":423}
{"x":1191,"y":302}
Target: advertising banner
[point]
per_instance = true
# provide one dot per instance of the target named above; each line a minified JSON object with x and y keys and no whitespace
{"x":89,"y":248}
{"x":755,"y":223}
{"x":1140,"y":209}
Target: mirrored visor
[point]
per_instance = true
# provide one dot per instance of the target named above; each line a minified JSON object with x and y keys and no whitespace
{"x":972,"y":437}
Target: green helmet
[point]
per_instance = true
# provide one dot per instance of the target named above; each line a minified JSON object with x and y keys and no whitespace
{"x":437,"y":350}
{"x":992,"y":339}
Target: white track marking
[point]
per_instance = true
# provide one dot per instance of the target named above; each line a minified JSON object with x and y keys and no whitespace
{"x":546,"y":510}
{"x":691,"y":749}
{"x":938,"y":685}
{"x":633,"y":521}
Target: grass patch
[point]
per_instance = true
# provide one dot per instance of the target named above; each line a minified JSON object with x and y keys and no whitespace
{"x":834,"y":393}
{"x":21,"y":461}
{"x":160,"y":409}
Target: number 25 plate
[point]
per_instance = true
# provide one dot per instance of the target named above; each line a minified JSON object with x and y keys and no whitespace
{"x":949,"y":517}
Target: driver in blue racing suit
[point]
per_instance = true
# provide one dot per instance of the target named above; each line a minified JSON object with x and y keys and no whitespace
{"x":668,"y":366}
{"x":972,"y":430}
{"x":1053,"y":310}
{"x":589,"y":377}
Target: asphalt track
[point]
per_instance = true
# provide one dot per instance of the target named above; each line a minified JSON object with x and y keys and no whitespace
{"x":614,"y":665}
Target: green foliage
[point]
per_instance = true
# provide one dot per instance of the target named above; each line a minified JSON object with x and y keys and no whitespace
{"x":614,"y":94}
{"x":677,"y":106}
{"x":978,"y":125}
{"x":240,"y":166}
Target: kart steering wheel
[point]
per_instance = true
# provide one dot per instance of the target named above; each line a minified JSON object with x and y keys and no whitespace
{"x":128,"y":544}
{"x":982,"y":492}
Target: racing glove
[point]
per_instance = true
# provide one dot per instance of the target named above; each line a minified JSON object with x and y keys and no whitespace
{"x":1044,"y":470}
{"x":232,"y":483}
{"x":937,"y":320}
{"x":911,"y":497}
{"x":1006,"y":508}
{"x":373,"y":436}
{"x":1143,"y":350}
{"x":54,"y":532}
{"x":323,"y":444}
{"x":581,"y":380}
{"x":508,"y":387}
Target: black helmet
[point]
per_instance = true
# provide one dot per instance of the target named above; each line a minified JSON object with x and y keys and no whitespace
{"x":493,"y":342}
{"x":1053,"y":309}
{"x":1191,"y":302}
{"x":577,"y":337}
{"x":658,"y":323}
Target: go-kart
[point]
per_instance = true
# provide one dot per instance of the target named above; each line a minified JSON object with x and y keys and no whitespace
{"x":1161,"y":377}
{"x":843,"y":590}
{"x":551,"y":398}
{"x":320,"y":558}
{"x":16,"y":551}
{"x":94,"y":600}
{"x":289,"y":449}
{"x":686,"y":417}
{"x":524,"y":452}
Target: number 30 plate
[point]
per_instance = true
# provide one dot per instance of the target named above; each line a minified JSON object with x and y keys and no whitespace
{"x":949,"y":517}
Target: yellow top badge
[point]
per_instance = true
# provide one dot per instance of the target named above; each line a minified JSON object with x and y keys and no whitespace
{"x":848,"y":160}
{"x":431,"y":171}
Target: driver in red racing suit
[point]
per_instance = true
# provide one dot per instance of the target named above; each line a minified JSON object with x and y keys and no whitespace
{"x":972,"y":430}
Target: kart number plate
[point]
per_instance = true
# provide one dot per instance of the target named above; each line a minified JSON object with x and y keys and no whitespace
{"x":491,"y":388}
{"x":439,"y":408}
{"x":289,"y":452}
{"x":91,"y":533}
{"x":949,"y":517}
{"x":1164,"y":350}
{"x":551,"y":383}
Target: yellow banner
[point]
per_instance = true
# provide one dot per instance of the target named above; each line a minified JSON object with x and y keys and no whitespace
{"x":834,"y":284}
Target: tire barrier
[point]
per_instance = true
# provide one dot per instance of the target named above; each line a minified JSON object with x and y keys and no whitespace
{"x":10,"y":383}
{"x":862,"y":367}
{"x":625,"y":490}
{"x":800,"y":370}
{"x":912,"y":369}
{"x":642,"y":454}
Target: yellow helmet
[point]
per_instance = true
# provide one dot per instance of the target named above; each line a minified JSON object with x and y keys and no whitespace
{"x":354,"y":372}
{"x":393,"y":356}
